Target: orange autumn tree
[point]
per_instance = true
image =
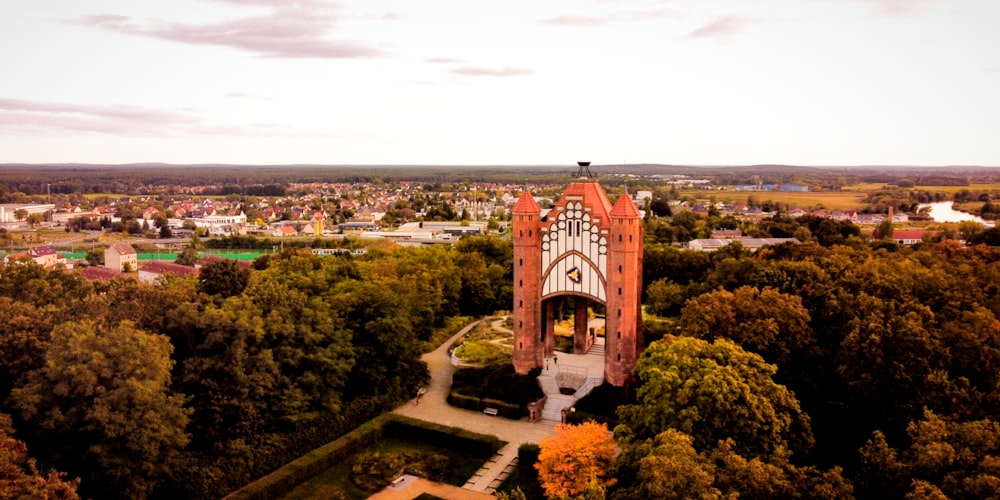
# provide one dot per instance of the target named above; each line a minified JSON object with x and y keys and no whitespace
{"x":575,"y":457}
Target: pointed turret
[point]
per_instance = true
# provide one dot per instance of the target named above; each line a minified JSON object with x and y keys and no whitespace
{"x":624,"y":208}
{"x":526,"y":204}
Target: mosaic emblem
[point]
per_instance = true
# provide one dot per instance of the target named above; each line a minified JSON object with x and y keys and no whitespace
{"x":574,"y":274}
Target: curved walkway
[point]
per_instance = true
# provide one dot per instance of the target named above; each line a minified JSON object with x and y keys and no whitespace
{"x":434,"y":407}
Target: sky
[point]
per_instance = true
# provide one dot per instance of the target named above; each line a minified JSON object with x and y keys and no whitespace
{"x":517,"y":82}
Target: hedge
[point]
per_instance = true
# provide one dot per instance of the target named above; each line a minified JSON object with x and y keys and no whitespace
{"x":443,"y":435}
{"x":304,"y":468}
{"x":507,"y":410}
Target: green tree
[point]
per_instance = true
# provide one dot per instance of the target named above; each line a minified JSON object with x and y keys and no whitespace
{"x":95,"y":257}
{"x":713,"y":392}
{"x":103,"y":408}
{"x":187,"y":257}
{"x":19,"y":474}
{"x":35,"y":219}
{"x":883,"y":231}
{"x":767,"y":322}
{"x":664,"y":298}
{"x":666,"y":467}
{"x":223,"y":278}
{"x":20,"y":214}
{"x":890,"y":350}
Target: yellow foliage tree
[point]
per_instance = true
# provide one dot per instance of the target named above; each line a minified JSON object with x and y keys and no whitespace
{"x":575,"y":457}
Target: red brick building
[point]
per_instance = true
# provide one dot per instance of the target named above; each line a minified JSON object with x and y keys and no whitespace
{"x":587,"y":249}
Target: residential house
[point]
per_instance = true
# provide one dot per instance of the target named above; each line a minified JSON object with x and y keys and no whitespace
{"x":153,"y":270}
{"x":911,"y":237}
{"x":120,"y":255}
{"x":46,"y":256}
{"x":96,"y":273}
{"x":284,"y":230}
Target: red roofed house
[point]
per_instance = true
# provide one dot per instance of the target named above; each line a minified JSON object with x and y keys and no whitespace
{"x":285,"y":230}
{"x":12,"y":258}
{"x":95,"y":273}
{"x":911,"y":237}
{"x":119,"y":255}
{"x":46,"y":256}
{"x":152,"y":271}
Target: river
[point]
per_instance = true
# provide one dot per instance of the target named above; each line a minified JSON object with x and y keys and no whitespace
{"x":942,"y":212}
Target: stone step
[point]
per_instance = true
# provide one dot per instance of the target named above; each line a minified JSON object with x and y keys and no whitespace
{"x":548,"y":384}
{"x":554,"y":406}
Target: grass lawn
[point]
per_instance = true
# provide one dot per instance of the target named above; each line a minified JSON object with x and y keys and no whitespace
{"x":336,"y":482}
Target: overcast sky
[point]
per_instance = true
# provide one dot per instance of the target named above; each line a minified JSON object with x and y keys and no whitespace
{"x":702,"y":82}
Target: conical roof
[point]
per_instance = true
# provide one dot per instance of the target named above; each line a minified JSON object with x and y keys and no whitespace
{"x":526,"y":204}
{"x":625,"y":208}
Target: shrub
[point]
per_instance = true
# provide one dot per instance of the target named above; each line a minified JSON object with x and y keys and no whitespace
{"x":499,"y":384}
{"x":373,"y":471}
{"x":525,"y":476}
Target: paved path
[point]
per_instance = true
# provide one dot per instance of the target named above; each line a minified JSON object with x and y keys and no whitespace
{"x":413,"y":488}
{"x":434,"y":407}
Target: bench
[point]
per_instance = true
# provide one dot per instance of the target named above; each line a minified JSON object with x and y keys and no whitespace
{"x":490,"y":411}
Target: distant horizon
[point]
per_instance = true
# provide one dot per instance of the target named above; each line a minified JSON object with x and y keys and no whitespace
{"x":491,"y":165}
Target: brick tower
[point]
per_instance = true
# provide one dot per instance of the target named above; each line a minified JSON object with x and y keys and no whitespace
{"x":528,"y":346}
{"x":623,"y":337}
{"x":586,"y":250}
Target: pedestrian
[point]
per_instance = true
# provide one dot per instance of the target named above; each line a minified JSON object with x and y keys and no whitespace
{"x":555,"y":359}
{"x":546,"y":364}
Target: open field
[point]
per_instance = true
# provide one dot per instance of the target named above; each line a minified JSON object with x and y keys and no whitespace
{"x":869,"y":187}
{"x":829,"y":200}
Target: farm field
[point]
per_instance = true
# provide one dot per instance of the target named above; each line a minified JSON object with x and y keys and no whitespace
{"x":869,"y":187}
{"x":829,"y":200}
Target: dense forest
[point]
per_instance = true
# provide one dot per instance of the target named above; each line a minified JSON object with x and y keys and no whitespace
{"x":807,"y":371}
{"x":834,"y":368}
{"x":190,"y":389}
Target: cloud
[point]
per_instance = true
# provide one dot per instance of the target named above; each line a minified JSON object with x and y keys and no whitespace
{"x":721,"y":28}
{"x":43,"y":117}
{"x":474,"y":71}
{"x":444,"y":60}
{"x":894,"y":7}
{"x":236,"y":94}
{"x":612,"y":18}
{"x":297,"y":29}
{"x":900,"y":7}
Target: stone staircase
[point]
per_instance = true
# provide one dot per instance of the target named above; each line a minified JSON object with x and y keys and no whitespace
{"x":554,"y":405}
{"x":573,"y":377}
{"x":597,"y":349}
{"x":548,"y":385}
{"x":489,"y":477}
